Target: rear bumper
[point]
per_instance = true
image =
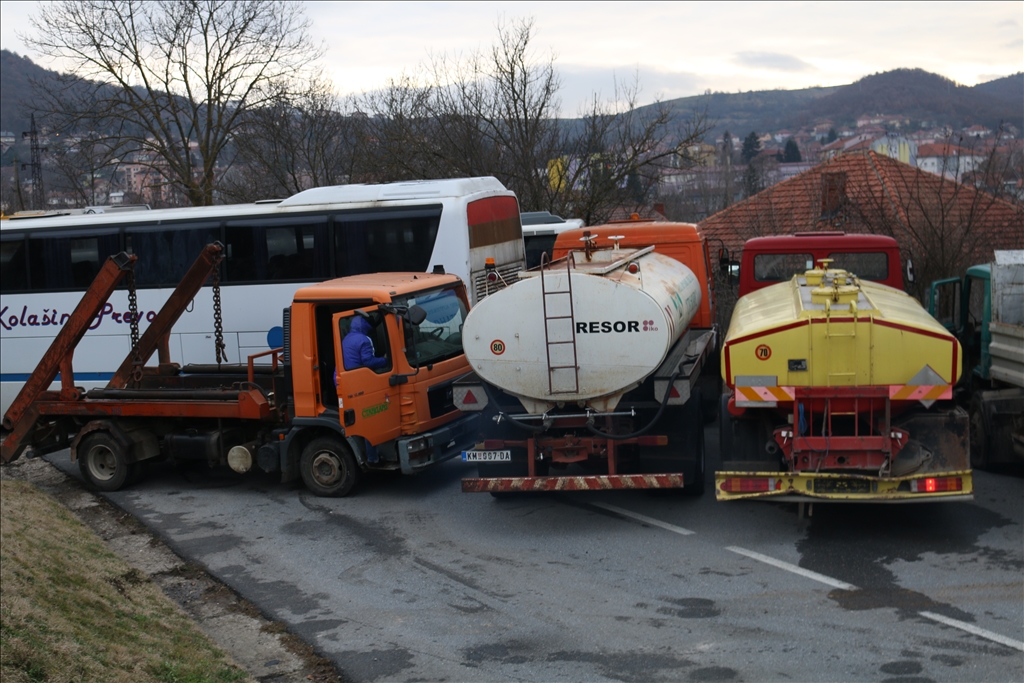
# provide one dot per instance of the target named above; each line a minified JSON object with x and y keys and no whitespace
{"x":603,"y":482}
{"x":842,"y":488}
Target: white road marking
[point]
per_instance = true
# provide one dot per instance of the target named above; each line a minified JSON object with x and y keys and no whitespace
{"x":815,"y":576}
{"x":980,"y":632}
{"x":807,"y":573}
{"x":644,"y":518}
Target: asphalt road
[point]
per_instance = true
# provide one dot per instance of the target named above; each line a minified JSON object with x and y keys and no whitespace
{"x":411,"y":580}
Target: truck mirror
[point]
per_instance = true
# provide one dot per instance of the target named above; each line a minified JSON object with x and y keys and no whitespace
{"x":910,"y":270}
{"x":416,"y":314}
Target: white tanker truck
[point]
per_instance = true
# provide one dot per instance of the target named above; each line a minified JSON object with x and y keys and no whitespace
{"x":593,"y":360}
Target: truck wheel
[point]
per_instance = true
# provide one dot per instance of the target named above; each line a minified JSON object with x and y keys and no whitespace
{"x":328,"y":467}
{"x":979,"y":435}
{"x":103,"y":462}
{"x":694,"y":421}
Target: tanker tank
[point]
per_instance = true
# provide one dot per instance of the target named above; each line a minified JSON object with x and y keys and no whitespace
{"x":827,"y":328}
{"x":583,"y":332}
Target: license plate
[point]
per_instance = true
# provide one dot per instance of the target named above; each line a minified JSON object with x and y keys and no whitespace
{"x":486,"y":456}
{"x":842,"y":486}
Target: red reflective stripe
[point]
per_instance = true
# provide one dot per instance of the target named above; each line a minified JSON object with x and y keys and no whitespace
{"x":581,"y":483}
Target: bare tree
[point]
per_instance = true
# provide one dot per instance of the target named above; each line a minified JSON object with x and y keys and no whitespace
{"x":175,"y":76}
{"x":943,"y":226}
{"x":297,"y":142}
{"x":496,"y":113}
{"x":83,"y":170}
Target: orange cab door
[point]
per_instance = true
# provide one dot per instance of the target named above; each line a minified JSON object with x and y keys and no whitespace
{"x":368,"y":405}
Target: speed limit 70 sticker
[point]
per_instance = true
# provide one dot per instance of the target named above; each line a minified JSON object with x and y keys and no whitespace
{"x":763,"y":352}
{"x":497,"y":347}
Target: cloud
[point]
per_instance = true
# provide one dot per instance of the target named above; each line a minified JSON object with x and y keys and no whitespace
{"x":1015,"y":43}
{"x":774,"y":61}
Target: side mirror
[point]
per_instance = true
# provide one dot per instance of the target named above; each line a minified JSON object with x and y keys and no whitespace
{"x":910,"y":270}
{"x":416,"y":315}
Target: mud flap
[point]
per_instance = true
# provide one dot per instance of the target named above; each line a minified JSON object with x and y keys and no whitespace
{"x":944,"y":434}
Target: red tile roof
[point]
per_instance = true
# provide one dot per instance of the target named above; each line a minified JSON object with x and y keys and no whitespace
{"x":931,"y":217}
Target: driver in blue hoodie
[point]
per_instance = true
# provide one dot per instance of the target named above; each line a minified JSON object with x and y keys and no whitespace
{"x":357,"y":347}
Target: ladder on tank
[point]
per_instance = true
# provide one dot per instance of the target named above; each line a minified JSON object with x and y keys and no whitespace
{"x":557,"y":341}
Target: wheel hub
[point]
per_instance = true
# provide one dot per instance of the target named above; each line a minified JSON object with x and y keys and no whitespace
{"x":102,"y":463}
{"x":326,"y":468}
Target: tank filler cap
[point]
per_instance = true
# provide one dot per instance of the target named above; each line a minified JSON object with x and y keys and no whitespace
{"x":615,"y":239}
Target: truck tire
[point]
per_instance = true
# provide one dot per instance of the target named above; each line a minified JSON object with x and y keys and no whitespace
{"x":741,"y":442}
{"x":694,"y":420}
{"x":104,"y":462}
{"x":328,"y":467}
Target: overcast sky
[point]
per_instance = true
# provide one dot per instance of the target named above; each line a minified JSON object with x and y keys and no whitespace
{"x":678,"y":48}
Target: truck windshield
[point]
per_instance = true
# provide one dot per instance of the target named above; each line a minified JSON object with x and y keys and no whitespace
{"x":439,"y":336}
{"x":867,"y":265}
{"x":780,"y":267}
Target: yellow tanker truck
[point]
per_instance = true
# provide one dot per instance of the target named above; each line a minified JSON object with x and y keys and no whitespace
{"x":840,"y":389}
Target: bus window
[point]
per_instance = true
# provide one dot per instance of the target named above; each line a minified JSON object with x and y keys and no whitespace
{"x":385,"y":242}
{"x":64,"y":260}
{"x":166,"y":253}
{"x":780,"y":267}
{"x":13,"y":264}
{"x":278,"y":250}
{"x":866,"y":265}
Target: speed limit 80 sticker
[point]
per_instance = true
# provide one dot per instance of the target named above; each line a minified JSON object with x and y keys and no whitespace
{"x":497,"y":347}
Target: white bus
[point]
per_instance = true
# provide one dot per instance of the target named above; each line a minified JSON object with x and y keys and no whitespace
{"x":272,"y":249}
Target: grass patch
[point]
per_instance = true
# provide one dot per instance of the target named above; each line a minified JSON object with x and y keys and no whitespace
{"x":71,"y":610}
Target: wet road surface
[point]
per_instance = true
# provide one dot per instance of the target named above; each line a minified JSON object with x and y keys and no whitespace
{"x":411,"y":580}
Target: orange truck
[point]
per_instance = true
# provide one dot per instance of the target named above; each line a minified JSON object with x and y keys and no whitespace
{"x":312,"y":411}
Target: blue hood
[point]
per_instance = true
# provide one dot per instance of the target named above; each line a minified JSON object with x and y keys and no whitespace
{"x":361,"y":325}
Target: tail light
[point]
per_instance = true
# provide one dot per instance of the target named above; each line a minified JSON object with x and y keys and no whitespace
{"x":751,"y":484}
{"x":937,"y":484}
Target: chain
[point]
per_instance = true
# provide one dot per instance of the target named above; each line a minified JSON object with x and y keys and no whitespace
{"x":133,"y":312}
{"x":218,"y":326}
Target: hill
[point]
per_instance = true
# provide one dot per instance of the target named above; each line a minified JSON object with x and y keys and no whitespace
{"x":16,"y":73}
{"x":913,"y":93}
{"x":916,"y":94}
{"x":920,"y":96}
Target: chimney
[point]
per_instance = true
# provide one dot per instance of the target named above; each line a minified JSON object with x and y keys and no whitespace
{"x":833,"y":193}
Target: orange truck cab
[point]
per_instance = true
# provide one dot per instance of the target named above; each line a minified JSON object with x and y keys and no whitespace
{"x":344,"y":418}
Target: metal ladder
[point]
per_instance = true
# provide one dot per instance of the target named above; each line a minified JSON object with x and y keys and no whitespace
{"x":571,"y":342}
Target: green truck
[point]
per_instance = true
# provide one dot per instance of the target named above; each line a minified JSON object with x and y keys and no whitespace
{"x":985,"y":310}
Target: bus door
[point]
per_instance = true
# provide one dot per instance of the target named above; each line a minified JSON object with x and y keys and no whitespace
{"x":368,"y":404}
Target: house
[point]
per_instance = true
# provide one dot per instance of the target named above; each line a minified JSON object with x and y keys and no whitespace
{"x":948,"y":160}
{"x":942,"y":226}
{"x":896,"y":146}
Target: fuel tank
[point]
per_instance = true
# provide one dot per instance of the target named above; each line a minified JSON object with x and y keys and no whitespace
{"x":582,"y":331}
{"x":827,"y":328}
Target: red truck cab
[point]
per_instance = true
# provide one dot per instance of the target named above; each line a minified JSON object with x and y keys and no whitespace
{"x":769,"y":260}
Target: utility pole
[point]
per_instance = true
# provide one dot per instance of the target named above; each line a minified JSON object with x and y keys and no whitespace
{"x":38,"y":201}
